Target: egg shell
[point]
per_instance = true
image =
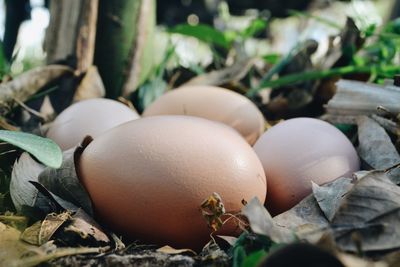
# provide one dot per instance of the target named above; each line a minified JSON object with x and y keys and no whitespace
{"x":298,"y":151}
{"x":213,"y":103}
{"x":147,"y":178}
{"x":88,"y":117}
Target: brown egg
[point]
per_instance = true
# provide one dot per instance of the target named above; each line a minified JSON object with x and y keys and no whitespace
{"x":88,"y":117}
{"x":213,"y":103}
{"x":298,"y":151}
{"x":147,"y":178}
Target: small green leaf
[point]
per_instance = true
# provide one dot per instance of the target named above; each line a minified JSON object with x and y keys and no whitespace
{"x":204,"y":33}
{"x":239,"y":254}
{"x":45,"y":150}
{"x":255,"y":27}
{"x":272,"y":58}
{"x":254,"y":258}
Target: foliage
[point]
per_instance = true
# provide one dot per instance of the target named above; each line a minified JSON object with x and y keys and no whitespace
{"x":45,"y":150}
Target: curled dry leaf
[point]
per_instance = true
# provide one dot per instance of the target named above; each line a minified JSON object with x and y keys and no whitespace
{"x":82,"y":229}
{"x":262,"y":223}
{"x":376,"y":147}
{"x":329,"y":196}
{"x":42,"y":231}
{"x":368,"y":216}
{"x":22,"y":192}
{"x":212,"y":210}
{"x":65,"y":183}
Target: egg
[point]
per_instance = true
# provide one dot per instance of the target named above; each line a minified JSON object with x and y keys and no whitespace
{"x":298,"y":151}
{"x":213,"y":103}
{"x":88,"y":117}
{"x":147,"y":178}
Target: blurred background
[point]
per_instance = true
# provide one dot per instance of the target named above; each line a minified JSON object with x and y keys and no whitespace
{"x":23,"y":22}
{"x":250,"y":47}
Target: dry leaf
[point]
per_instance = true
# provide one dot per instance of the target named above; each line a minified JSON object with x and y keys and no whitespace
{"x":83,"y":230}
{"x":262,"y":223}
{"x":22,"y":192}
{"x":42,"y":231}
{"x":376,"y":148}
{"x":304,"y":218}
{"x":360,"y":98}
{"x":65,"y":183}
{"x":369,"y":215}
{"x":212,"y":210}
{"x":329,"y":196}
{"x":353,"y":261}
{"x":48,"y":202}
{"x":11,"y":247}
{"x":173,"y":251}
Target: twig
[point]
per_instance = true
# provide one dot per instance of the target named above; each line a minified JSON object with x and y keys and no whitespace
{"x":32,"y":111}
{"x":29,"y":83}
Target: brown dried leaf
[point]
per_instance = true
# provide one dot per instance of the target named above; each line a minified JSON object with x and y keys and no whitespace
{"x":376,"y":147}
{"x":368,"y":215}
{"x":82,"y":229}
{"x":212,"y":210}
{"x":329,"y":196}
{"x":42,"y":231}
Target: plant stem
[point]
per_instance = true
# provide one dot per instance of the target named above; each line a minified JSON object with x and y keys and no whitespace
{"x":321,"y":74}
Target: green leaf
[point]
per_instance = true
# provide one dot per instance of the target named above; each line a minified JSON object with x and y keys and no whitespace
{"x":272,"y":58}
{"x":44,"y":149}
{"x":4,"y":66}
{"x":149,"y":92}
{"x":254,"y":258}
{"x":255,"y":27}
{"x":204,"y":33}
{"x":239,"y":255}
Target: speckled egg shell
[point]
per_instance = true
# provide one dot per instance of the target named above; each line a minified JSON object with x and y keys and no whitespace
{"x":88,"y":117}
{"x":147,"y":178}
{"x":298,"y":151}
{"x":213,"y":103}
